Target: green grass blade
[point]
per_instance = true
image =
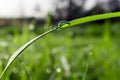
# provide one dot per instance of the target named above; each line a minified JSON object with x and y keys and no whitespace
{"x":21,"y":49}
{"x":92,"y":18}
{"x":66,"y":24}
{"x":84,"y":76}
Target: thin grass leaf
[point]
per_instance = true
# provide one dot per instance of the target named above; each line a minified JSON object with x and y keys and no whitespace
{"x":61,"y":25}
{"x":85,"y":74}
{"x":21,"y":49}
{"x":92,"y":18}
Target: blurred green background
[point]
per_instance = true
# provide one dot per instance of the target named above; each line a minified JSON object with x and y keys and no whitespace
{"x":85,"y":52}
{"x":88,"y":51}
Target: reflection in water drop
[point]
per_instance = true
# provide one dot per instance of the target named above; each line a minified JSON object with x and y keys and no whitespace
{"x":63,"y":23}
{"x":53,"y":27}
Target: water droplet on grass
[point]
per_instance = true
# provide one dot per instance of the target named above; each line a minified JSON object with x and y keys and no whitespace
{"x":53,"y":27}
{"x":63,"y":24}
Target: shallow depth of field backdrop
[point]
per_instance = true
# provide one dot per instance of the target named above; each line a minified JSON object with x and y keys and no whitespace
{"x":88,"y":51}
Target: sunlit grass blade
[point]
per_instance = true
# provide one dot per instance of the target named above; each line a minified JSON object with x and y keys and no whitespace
{"x":61,"y":25}
{"x":92,"y":18}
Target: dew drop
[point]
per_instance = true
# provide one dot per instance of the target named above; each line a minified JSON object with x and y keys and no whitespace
{"x":63,"y":23}
{"x":53,"y":27}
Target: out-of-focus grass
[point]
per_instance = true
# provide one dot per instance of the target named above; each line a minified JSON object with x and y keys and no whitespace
{"x":63,"y":54}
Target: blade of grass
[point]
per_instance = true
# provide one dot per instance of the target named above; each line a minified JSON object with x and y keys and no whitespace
{"x":84,"y":76}
{"x":92,"y":18}
{"x":21,"y":49}
{"x":66,"y":24}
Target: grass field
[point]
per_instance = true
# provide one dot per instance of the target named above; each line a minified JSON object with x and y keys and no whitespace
{"x":89,"y":52}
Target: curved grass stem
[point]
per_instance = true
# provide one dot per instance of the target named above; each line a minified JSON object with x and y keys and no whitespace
{"x":21,"y":49}
{"x":61,"y":25}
